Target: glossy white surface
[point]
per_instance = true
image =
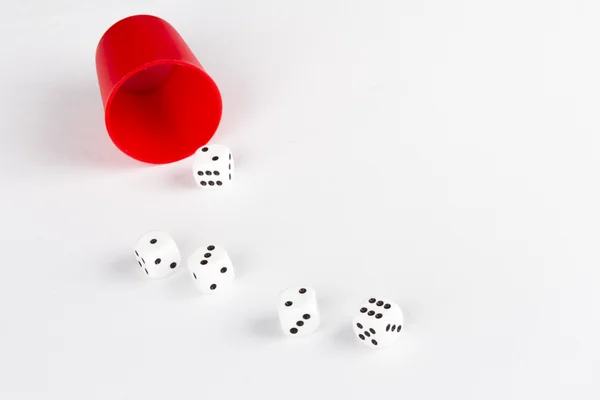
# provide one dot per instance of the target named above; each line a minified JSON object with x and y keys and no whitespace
{"x":442,"y":153}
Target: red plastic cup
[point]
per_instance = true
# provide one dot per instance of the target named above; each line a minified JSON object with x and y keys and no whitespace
{"x":160,"y":105}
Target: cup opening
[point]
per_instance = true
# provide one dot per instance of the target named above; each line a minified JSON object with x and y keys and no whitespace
{"x":163,"y":112}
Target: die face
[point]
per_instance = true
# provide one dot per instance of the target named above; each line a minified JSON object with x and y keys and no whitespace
{"x":297,"y":297}
{"x":379,"y":307}
{"x":301,"y":321}
{"x":157,"y":253}
{"x":371,"y":332}
{"x":213,"y":166}
{"x":298,"y":311}
{"x":211,"y":269}
{"x":378,"y":322}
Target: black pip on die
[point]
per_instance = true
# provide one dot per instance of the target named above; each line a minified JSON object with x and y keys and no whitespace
{"x":157,"y":253}
{"x":213,"y":166}
{"x":211,"y":269}
{"x":378,"y":322}
{"x":298,"y":311}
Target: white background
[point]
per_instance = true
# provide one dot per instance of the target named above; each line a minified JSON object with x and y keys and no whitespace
{"x":442,"y":153}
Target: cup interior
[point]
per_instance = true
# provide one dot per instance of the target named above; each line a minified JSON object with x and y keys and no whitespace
{"x":163,"y":112}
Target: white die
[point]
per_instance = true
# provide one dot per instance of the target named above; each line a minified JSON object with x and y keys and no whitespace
{"x":298,"y":311}
{"x":157,"y":253}
{"x":213,"y":166}
{"x":378,"y":322}
{"x":211,"y":269}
